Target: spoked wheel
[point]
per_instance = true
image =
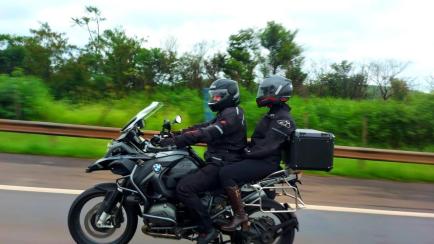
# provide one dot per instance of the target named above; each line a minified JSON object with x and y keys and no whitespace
{"x":263,"y":227}
{"x":83,"y":217}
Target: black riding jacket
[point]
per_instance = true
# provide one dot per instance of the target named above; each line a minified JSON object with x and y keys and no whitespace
{"x":225,"y":135}
{"x":271,"y":132}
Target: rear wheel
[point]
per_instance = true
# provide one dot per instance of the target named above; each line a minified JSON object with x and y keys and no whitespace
{"x":83,"y":216}
{"x":261,"y":226}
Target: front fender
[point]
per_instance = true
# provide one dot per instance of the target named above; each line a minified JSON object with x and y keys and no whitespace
{"x":100,"y":164}
{"x":119,"y":165}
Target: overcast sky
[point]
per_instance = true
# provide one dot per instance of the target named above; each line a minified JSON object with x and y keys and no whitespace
{"x":329,"y":31}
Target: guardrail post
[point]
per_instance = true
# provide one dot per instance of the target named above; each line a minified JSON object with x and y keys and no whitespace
{"x":362,"y":162}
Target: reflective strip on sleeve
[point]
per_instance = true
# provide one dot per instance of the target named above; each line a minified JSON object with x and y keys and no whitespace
{"x":238,"y":111}
{"x":279,"y":131}
{"x":218,"y":128}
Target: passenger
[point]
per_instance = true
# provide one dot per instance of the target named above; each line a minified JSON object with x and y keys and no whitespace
{"x":226,"y":138}
{"x":263,"y":154}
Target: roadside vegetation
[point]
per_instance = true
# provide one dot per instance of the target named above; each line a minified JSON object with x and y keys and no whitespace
{"x":95,"y":148}
{"x":406,"y":125}
{"x":105,"y":82}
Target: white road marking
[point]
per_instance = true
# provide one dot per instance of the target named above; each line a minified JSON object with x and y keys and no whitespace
{"x":40,"y":189}
{"x":370,"y":211}
{"x":308,"y":207}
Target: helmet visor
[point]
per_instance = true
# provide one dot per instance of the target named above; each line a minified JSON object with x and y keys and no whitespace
{"x":217,"y":95}
{"x":265,"y":91}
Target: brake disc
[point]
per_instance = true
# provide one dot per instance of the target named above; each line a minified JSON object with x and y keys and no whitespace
{"x":90,"y":224}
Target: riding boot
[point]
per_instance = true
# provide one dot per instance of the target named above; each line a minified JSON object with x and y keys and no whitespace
{"x":240,"y":216}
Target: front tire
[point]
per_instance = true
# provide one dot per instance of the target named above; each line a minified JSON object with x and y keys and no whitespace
{"x":83,"y":228}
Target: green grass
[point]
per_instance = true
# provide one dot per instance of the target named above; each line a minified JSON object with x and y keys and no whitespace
{"x":52,"y":145}
{"x":367,"y":169}
{"x":95,"y":148}
{"x":56,"y":145}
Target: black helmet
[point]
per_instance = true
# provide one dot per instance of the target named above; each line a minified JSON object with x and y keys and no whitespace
{"x":223,"y":93}
{"x":273,"y":90}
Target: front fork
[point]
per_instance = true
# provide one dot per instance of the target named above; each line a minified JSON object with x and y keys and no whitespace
{"x":110,"y":201}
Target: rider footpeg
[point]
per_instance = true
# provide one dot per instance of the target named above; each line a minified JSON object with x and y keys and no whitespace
{"x":245,"y":226}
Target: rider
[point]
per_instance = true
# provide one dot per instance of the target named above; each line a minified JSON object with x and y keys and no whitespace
{"x":226,"y":139}
{"x":263,"y":154}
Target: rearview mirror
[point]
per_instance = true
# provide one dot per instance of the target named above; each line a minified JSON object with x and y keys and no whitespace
{"x":177,"y":120}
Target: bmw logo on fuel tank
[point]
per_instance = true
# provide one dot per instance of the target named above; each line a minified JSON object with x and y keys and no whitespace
{"x":157,"y":168}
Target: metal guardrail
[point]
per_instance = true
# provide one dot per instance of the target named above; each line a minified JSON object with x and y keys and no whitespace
{"x":110,"y":133}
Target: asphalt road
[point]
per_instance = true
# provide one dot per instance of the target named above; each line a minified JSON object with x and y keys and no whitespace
{"x":34,"y":217}
{"x":28,"y":217}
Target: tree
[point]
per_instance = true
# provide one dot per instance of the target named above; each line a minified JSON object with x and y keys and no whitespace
{"x":119,"y":52}
{"x":342,"y":81}
{"x":297,"y":76}
{"x":191,"y":69}
{"x":11,"y":57}
{"x":358,"y":84}
{"x":91,"y":21}
{"x":39,"y":54}
{"x":73,"y":81}
{"x":399,"y":89}
{"x":157,"y":66}
{"x":37,"y":60}
{"x":168,"y":70}
{"x":55,"y":43}
{"x":243,"y":56}
{"x":214,"y":66}
{"x":283,"y":52}
{"x":284,"y":55}
{"x":192,"y":66}
{"x":148,"y":62}
{"x":383,"y":72}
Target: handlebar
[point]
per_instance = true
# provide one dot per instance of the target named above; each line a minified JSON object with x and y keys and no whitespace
{"x":149,"y":146}
{"x":134,"y":135}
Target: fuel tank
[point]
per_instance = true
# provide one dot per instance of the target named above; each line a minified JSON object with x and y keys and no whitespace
{"x":159,"y":176}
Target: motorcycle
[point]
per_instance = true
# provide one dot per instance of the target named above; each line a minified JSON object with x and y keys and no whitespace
{"x":109,"y":212}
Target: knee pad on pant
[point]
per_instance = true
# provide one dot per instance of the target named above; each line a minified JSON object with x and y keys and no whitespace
{"x":183,"y":190}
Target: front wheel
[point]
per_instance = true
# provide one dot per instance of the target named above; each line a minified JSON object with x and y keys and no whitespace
{"x":83,"y":216}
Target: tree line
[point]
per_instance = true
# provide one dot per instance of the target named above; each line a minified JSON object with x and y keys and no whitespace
{"x":112,"y":64}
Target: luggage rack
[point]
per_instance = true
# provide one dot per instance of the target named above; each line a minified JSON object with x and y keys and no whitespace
{"x":287,"y":189}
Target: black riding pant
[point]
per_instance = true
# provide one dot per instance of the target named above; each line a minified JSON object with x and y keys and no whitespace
{"x":246,"y":171}
{"x":188,"y":188}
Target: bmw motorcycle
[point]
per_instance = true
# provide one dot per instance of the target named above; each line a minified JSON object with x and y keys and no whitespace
{"x":148,"y":174}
